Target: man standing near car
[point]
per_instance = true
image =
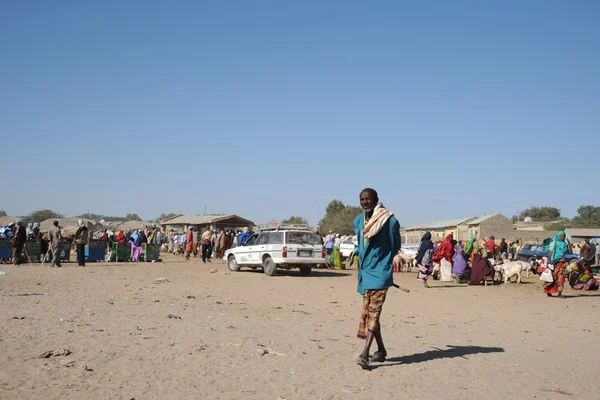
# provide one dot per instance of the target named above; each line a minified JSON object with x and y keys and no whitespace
{"x":329,"y":243}
{"x":378,"y":234}
{"x":587,"y":253}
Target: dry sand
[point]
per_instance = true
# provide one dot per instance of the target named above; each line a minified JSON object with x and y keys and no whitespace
{"x":246,"y":336}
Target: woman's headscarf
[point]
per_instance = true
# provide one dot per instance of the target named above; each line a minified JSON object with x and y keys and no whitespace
{"x":446,"y":249}
{"x":135,"y":236}
{"x":79,"y":222}
{"x":542,"y":267}
{"x":426,"y":244}
{"x":469,"y":247}
{"x":560,"y":247}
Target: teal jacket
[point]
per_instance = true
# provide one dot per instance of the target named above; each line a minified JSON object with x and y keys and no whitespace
{"x":376,"y":256}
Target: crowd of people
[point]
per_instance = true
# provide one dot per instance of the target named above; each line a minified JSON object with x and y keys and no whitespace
{"x":473,"y":262}
{"x":208,"y":243}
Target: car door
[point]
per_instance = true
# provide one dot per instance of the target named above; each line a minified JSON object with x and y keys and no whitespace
{"x":245,"y":253}
{"x":260,"y":248}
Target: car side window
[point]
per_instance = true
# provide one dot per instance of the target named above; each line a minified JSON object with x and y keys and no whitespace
{"x":251,"y":241}
{"x":276,"y":238}
{"x":263,"y":238}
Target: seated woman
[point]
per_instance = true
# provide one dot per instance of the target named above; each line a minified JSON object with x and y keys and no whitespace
{"x":581,"y":277}
{"x":480,"y":269}
{"x":460,"y":270}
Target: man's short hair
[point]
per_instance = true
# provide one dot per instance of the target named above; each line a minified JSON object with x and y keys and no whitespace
{"x":373,"y":192}
{"x":55,"y":223}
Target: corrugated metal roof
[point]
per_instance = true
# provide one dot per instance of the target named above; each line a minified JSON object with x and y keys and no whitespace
{"x":481,"y":219}
{"x":133,"y":225}
{"x":440,"y":224}
{"x":68,"y":224}
{"x":590,"y":233}
{"x":203,"y":219}
{"x":7,"y":220}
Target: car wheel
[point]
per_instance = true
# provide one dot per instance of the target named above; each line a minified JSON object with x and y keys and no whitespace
{"x":269,"y":266}
{"x":305,"y":270}
{"x":232,"y":264}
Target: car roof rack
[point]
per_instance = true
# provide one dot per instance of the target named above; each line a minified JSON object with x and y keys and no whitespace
{"x":274,"y":227}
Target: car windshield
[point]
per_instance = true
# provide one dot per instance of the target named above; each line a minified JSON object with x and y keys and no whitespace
{"x":303,"y":238}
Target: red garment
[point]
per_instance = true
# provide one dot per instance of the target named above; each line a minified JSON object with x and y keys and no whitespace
{"x":189,"y":241}
{"x":559,"y":279}
{"x":446,"y":250}
{"x":20,"y":236}
{"x":121,"y":237}
{"x":104,"y":237}
{"x":490,"y":245}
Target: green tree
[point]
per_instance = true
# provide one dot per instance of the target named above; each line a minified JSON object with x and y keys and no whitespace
{"x":3,"y":213}
{"x":41,"y":215}
{"x":334,"y":206}
{"x":339,"y":218}
{"x":587,"y":217}
{"x":98,"y":217}
{"x":541,"y":214}
{"x":295,"y":220}
{"x":558,"y":226}
{"x":165,"y":216}
{"x":132,"y":217}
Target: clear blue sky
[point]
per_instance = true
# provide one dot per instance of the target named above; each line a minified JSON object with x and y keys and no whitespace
{"x":448,"y":109}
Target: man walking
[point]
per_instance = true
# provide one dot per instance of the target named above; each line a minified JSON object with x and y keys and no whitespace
{"x":207,"y":238}
{"x":18,"y":241}
{"x":55,"y":238}
{"x":378,"y":234}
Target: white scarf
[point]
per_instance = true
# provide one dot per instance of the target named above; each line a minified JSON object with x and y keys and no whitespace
{"x":378,"y":219}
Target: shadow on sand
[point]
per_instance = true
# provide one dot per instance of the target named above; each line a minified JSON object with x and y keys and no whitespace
{"x":572,"y":296}
{"x":315,"y":273}
{"x":437,"y":354}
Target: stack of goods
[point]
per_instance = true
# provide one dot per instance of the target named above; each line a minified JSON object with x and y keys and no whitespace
{"x":6,"y":231}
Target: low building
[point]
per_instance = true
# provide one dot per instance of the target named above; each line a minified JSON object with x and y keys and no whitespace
{"x":131,"y":225}
{"x":439,"y":230}
{"x":202,"y":222}
{"x":580,"y":234}
{"x":492,"y":225}
{"x":69,"y":224}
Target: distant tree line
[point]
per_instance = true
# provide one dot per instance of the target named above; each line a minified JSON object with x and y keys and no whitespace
{"x":587,"y":217}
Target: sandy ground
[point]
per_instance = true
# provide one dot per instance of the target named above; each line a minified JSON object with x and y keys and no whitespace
{"x":246,"y":336}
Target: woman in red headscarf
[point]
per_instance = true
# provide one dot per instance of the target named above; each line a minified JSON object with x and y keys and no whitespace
{"x":443,"y":256}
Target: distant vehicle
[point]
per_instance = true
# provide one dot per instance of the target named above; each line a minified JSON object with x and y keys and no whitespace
{"x":347,"y":247}
{"x":530,"y":252}
{"x":279,"y":246}
{"x":410,"y":250}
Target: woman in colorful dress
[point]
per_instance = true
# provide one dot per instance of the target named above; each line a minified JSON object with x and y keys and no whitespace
{"x":423,"y":258}
{"x":559,"y":247}
{"x":460,"y":270}
{"x":581,"y":277}
{"x":444,"y":256}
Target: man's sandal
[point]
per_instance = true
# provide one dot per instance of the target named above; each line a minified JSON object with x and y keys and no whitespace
{"x":378,"y":356}
{"x":363,"y":361}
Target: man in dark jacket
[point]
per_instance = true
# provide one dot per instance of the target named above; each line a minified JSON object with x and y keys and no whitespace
{"x":19,"y":239}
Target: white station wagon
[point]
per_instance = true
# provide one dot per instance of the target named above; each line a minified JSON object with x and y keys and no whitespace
{"x":280,"y":246}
